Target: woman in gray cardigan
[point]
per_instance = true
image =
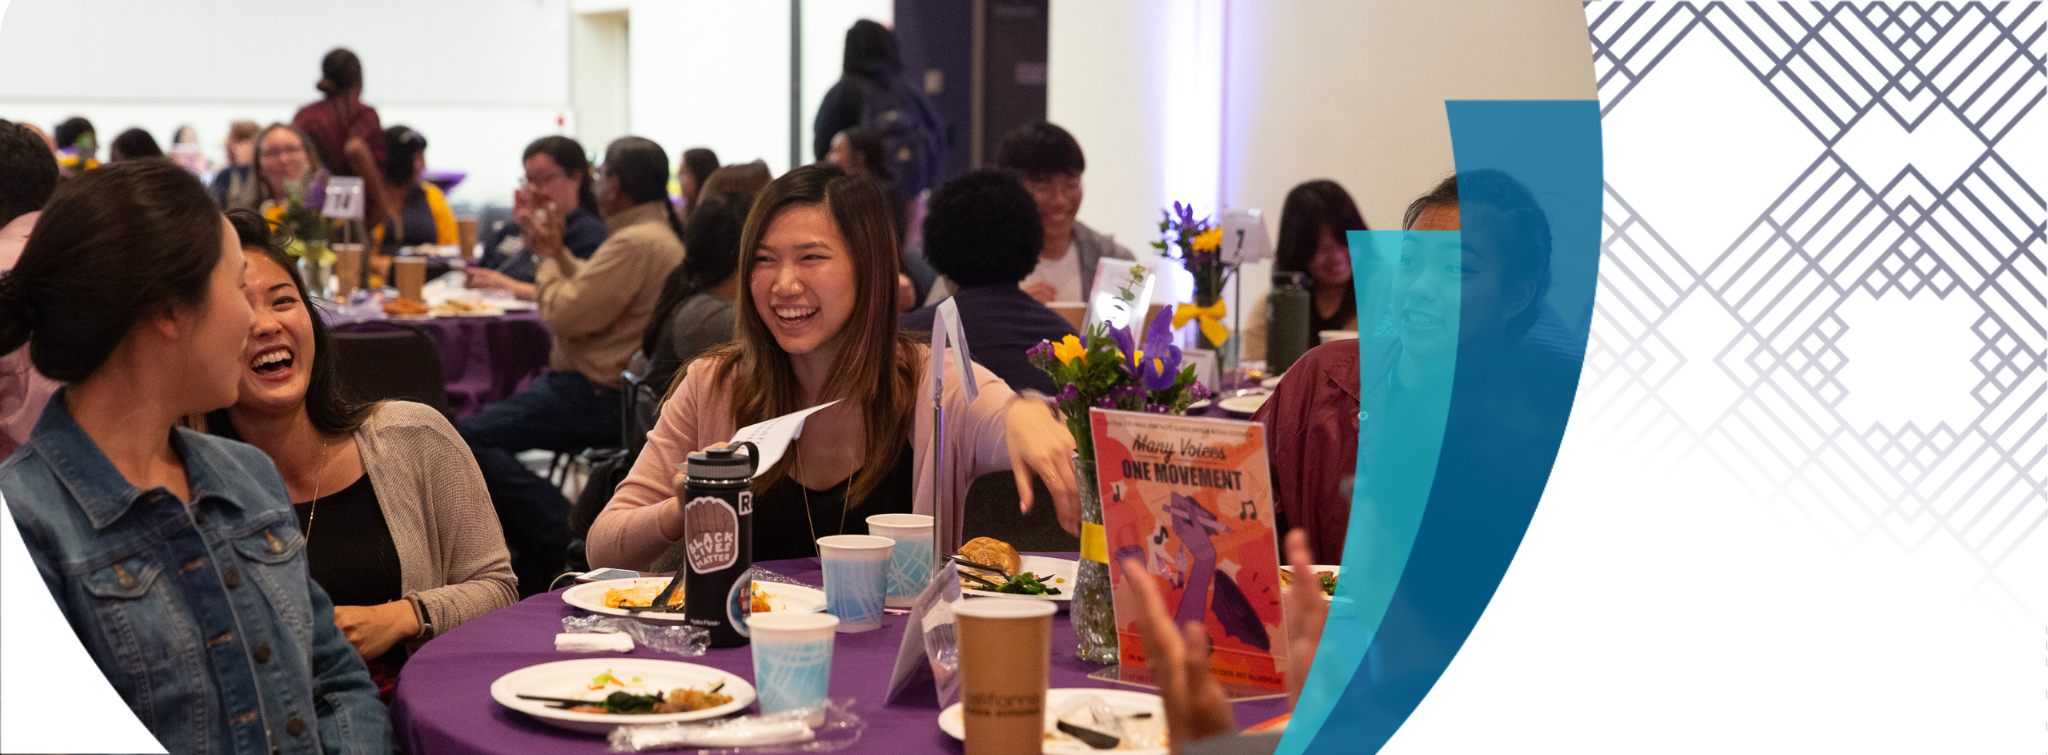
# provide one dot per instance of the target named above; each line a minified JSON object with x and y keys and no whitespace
{"x":399,"y":527}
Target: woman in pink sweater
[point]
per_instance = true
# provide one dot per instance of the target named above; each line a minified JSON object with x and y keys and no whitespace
{"x":816,"y":322}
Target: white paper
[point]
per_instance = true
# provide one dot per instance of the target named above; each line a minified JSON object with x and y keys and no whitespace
{"x":593,"y":643}
{"x":1105,"y":303}
{"x":344,"y":198}
{"x":1244,"y":236}
{"x":947,"y":333}
{"x":771,"y":437}
{"x":1204,"y":361}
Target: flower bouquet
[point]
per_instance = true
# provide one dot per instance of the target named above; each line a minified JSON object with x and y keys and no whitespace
{"x":1198,"y":245}
{"x":1110,"y":369}
{"x":299,"y":215}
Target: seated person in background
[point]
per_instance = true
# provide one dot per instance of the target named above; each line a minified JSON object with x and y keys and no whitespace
{"x":241,"y":152}
{"x":77,"y":146}
{"x":816,"y":322}
{"x":597,"y":312}
{"x":132,"y":144}
{"x":558,"y":181}
{"x":282,"y":161}
{"x":31,"y":173}
{"x":695,"y":311}
{"x":698,"y":165}
{"x":173,"y":555}
{"x":983,"y":234}
{"x":398,"y":526}
{"x":1313,"y":224}
{"x":423,"y":214}
{"x":1493,"y":283}
{"x":1050,"y":162}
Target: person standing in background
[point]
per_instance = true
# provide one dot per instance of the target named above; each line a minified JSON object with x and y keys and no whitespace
{"x":132,"y":144}
{"x":345,"y":132}
{"x":238,"y":176}
{"x":871,"y":93}
{"x":597,"y":311}
{"x":698,"y":162}
{"x":31,"y":179}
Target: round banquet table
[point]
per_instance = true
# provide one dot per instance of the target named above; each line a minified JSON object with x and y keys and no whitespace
{"x":483,"y":359}
{"x":443,"y":703}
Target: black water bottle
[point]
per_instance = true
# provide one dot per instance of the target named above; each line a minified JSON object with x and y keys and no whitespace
{"x":718,"y":533}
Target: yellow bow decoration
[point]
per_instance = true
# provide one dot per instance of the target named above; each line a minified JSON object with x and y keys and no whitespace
{"x":1210,"y":316}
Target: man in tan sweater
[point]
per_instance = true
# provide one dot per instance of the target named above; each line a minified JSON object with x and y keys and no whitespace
{"x":597,"y":310}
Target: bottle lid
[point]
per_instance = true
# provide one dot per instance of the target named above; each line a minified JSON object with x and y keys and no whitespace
{"x":1290,"y":278}
{"x":721,"y":464}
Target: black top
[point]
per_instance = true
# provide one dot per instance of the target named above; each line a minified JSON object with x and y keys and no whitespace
{"x":1002,"y":322}
{"x":349,"y":550}
{"x":782,"y":531}
{"x":416,"y":222}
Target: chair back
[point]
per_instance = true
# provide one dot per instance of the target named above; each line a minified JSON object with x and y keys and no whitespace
{"x":389,"y":360}
{"x":992,"y":511}
{"x":641,"y":409}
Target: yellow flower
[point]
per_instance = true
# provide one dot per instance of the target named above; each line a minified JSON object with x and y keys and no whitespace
{"x":274,"y":213}
{"x":1069,"y":349}
{"x":1209,"y":240}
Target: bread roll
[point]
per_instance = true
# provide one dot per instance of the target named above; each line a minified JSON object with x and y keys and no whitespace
{"x":988,"y":550}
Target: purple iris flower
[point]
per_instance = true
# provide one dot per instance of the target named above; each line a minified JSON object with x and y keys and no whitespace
{"x":1126,"y":345}
{"x":1162,"y":359}
{"x":316,"y":192}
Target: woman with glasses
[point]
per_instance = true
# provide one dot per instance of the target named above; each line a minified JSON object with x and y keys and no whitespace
{"x":282,"y":160}
{"x":556,"y":201}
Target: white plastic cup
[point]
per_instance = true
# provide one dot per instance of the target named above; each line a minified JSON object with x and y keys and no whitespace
{"x":856,"y":579}
{"x":910,"y":562}
{"x":792,"y":658}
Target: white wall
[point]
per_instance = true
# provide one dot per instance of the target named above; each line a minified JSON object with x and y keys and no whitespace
{"x":1340,"y":89}
{"x":480,"y":78}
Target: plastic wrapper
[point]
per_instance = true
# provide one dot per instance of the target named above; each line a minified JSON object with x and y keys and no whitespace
{"x":763,"y":575}
{"x":671,"y":637}
{"x":829,"y":726}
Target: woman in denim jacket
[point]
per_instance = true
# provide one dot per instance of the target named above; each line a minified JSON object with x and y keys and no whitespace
{"x":174,"y":555}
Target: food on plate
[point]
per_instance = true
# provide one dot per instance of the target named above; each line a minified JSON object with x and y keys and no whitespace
{"x":993,"y":552}
{"x":621,"y":702}
{"x":404,"y":306}
{"x":459,"y":307}
{"x":640,"y":594}
{"x":1326,"y":577}
{"x":1027,"y":584}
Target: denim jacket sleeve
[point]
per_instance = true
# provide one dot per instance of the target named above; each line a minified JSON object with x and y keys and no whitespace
{"x":352,"y":720}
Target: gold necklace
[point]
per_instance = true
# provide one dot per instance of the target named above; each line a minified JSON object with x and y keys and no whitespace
{"x":795,"y":467}
{"x":326,"y":449}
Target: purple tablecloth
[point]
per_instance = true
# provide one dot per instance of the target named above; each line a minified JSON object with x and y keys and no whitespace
{"x":443,"y":704}
{"x":483,"y":359}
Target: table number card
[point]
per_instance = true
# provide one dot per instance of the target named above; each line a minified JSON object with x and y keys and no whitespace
{"x":344,"y":198}
{"x":1244,"y":236}
{"x":1191,"y":499}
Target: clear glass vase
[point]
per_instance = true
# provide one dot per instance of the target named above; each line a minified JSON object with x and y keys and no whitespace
{"x":1092,"y":613}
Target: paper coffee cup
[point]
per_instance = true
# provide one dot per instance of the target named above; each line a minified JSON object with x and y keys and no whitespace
{"x":1005,"y":659}
{"x":348,"y":269}
{"x":910,"y":562}
{"x":410,"y":273}
{"x":856,"y":579}
{"x":465,"y":232}
{"x":792,"y":658}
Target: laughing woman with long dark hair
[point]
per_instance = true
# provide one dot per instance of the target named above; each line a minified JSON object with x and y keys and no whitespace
{"x":817,"y":322}
{"x":173,"y":554}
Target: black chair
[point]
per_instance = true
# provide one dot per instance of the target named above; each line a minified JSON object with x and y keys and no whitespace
{"x":390,"y":360}
{"x":992,"y":512}
{"x":640,"y":408}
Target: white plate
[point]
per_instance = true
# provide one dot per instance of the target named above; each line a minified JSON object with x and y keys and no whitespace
{"x":1049,"y":571}
{"x":1202,"y":404}
{"x":953,"y":721}
{"x":589,"y":596}
{"x":1271,"y":382}
{"x":1244,"y":404}
{"x":1315,"y":568}
{"x":571,"y":679}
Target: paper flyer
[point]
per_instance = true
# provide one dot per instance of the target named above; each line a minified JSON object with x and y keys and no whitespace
{"x":1192,"y":500}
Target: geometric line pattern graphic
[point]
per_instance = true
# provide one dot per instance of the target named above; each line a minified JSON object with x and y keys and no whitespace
{"x":1890,"y":217}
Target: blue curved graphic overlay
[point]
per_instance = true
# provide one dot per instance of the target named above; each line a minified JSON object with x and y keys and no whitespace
{"x":1456,"y":445}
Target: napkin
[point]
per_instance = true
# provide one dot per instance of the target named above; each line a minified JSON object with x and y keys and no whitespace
{"x":593,"y":642}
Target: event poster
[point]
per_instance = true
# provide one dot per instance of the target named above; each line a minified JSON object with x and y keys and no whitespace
{"x":1192,"y":500}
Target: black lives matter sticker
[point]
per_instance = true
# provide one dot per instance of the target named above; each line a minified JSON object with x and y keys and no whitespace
{"x":712,"y":529}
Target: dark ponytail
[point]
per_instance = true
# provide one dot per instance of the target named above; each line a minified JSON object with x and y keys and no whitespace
{"x":641,"y":168}
{"x":340,"y":72}
{"x":114,"y":245}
